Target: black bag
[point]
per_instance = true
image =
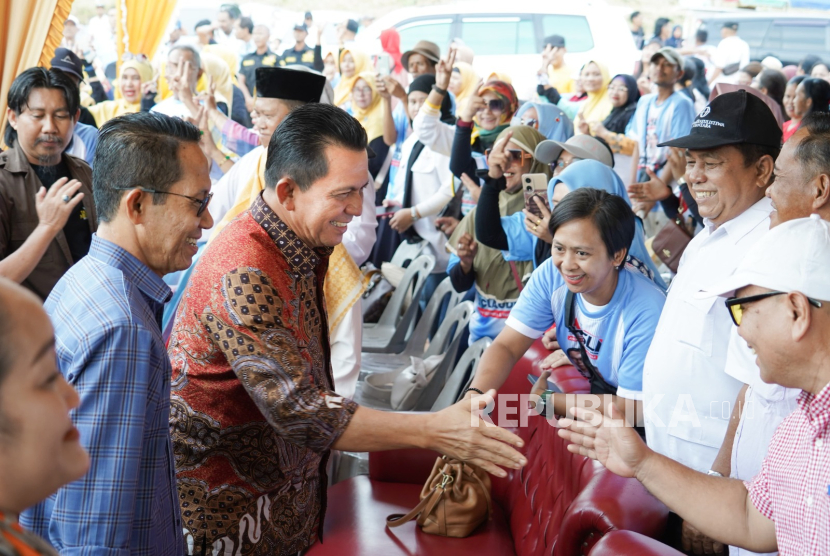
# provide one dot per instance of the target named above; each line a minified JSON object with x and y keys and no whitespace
{"x":731,"y":68}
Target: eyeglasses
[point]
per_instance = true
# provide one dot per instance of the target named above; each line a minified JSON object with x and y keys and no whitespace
{"x":562,"y":164}
{"x":203,"y":203}
{"x":530,"y":122}
{"x":127,"y":56}
{"x":495,"y":105}
{"x":517,"y":155}
{"x":736,"y":310}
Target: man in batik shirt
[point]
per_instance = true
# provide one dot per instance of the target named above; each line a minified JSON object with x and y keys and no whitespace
{"x":254,"y":413}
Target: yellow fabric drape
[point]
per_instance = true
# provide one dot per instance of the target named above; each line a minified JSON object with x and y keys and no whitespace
{"x":371,"y":117}
{"x":146,"y":23}
{"x":344,"y":280}
{"x":344,"y":87}
{"x":30,"y":30}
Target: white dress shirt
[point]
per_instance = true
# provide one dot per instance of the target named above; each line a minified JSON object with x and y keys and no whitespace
{"x":687,"y":395}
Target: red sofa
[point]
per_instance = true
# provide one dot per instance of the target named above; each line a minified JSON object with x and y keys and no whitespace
{"x":560,"y":503}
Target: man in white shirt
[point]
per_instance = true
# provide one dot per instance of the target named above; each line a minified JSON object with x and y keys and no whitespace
{"x":802,"y":176}
{"x":687,"y":395}
{"x":183,"y":62}
{"x":732,"y":54}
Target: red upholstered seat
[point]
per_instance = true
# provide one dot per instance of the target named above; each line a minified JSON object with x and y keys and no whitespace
{"x":559,"y":504}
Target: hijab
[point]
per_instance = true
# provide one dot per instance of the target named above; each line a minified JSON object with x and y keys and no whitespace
{"x":109,"y":109}
{"x":506,"y":93}
{"x":597,"y":107}
{"x":618,"y":119}
{"x":215,"y":67}
{"x":390,"y":42}
{"x":553,"y":123}
{"x":423,"y":83}
{"x":527,"y":138}
{"x":344,"y":88}
{"x":591,"y":173}
{"x":469,"y":79}
{"x":371,"y":117}
{"x":226,"y":54}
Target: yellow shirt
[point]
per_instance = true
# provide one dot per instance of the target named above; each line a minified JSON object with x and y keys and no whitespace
{"x":561,"y":78}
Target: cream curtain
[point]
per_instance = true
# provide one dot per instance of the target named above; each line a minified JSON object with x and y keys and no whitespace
{"x":30,"y":30}
{"x":146,"y":23}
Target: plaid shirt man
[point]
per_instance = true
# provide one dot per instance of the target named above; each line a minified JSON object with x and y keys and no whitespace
{"x":793,"y":487}
{"x":106,"y":311}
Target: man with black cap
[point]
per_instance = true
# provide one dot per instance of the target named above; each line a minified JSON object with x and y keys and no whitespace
{"x":659,"y":117}
{"x":731,"y":55}
{"x":687,"y":395}
{"x":347,"y":31}
{"x":301,"y":54}
{"x":85,"y":134}
{"x":554,"y":72}
{"x":279,"y":91}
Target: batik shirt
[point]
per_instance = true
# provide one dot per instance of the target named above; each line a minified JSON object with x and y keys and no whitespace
{"x":254,"y":413}
{"x":16,"y":541}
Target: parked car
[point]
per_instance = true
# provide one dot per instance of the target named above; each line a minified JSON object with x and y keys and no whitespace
{"x":509,"y":39}
{"x":789,"y":37}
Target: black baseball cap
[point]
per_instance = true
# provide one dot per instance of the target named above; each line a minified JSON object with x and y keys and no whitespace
{"x":301,"y":27}
{"x":736,"y":117}
{"x":68,"y":62}
{"x":731,"y":25}
{"x":557,"y":41}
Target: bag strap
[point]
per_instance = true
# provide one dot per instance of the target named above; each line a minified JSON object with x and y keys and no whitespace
{"x":390,"y":154}
{"x":515,"y":271}
{"x":598,"y":383}
{"x":396,"y":520}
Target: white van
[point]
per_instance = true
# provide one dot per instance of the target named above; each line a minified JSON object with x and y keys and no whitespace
{"x":510,"y":40}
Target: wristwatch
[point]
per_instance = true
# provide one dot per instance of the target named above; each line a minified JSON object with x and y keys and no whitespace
{"x":714,"y":473}
{"x":438,"y":89}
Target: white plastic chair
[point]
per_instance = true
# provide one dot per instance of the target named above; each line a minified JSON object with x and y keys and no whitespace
{"x":378,"y":362}
{"x":446,"y":342}
{"x":407,"y":252}
{"x":390,"y":333}
{"x":462,"y":375}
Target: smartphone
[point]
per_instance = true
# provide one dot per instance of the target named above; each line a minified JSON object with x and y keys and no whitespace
{"x":535,"y":185}
{"x":383,"y":212}
{"x":383,"y":64}
{"x":551,"y":386}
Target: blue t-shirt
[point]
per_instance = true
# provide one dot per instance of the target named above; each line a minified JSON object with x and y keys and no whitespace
{"x":616,"y":336}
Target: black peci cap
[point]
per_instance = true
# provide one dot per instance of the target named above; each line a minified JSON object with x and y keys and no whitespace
{"x":737,"y":117}
{"x":557,"y":41}
{"x":289,"y":84}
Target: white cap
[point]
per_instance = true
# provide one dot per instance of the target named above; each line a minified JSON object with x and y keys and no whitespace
{"x":791,"y":257}
{"x":773,"y":63}
{"x":581,"y":146}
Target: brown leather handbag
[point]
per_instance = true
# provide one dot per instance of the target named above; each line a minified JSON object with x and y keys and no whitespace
{"x":670,"y":242}
{"x":454,"y":501}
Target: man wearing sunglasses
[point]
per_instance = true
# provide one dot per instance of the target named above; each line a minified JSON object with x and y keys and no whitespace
{"x":781,"y":304}
{"x":151,"y":189}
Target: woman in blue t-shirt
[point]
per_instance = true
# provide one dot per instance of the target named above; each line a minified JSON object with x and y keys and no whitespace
{"x":604,"y":311}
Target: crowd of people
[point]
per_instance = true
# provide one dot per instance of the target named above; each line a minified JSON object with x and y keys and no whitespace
{"x":183,"y":252}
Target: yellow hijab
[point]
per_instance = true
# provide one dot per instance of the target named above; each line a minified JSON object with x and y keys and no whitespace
{"x":344,"y":281}
{"x":344,"y":88}
{"x":469,"y":80}
{"x":597,"y":107}
{"x":109,"y":109}
{"x":371,"y":117}
{"x":214,"y":66}
{"x":226,"y":54}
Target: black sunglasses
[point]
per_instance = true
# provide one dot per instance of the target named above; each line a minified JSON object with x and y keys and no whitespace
{"x":203,"y":203}
{"x":735,"y":304}
{"x":495,"y":105}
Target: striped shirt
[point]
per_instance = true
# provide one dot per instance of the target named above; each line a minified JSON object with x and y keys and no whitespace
{"x":106,"y":311}
{"x":793,"y":487}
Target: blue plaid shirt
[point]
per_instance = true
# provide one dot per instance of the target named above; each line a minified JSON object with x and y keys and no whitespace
{"x":106,"y":311}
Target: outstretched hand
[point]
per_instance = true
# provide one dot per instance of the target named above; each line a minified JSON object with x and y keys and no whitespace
{"x":443,"y":71}
{"x":459,"y":432}
{"x":652,"y":190}
{"x":605,"y":438}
